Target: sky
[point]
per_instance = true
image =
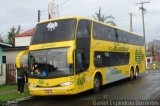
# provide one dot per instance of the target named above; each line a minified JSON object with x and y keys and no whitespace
{"x":24,"y":13}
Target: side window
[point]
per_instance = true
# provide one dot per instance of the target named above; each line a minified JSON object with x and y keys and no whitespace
{"x":103,"y":32}
{"x":80,"y":65}
{"x":98,"y":59}
{"x":125,"y":37}
{"x":99,"y":31}
{"x":120,"y":35}
{"x":108,"y":59}
{"x":84,"y":28}
{"x":110,"y":34}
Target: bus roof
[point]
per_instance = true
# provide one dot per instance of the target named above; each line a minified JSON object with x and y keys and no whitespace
{"x":91,"y":19}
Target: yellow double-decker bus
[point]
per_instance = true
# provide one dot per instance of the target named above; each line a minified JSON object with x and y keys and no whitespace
{"x":73,"y":54}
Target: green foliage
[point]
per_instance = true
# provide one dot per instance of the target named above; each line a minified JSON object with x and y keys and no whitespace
{"x":2,"y":103}
{"x":157,"y":63}
{"x":101,"y":17}
{"x":12,"y":96}
{"x":9,"y":92}
{"x":11,"y":35}
{"x":4,"y":88}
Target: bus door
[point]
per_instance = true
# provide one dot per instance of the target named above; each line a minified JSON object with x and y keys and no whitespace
{"x":82,"y":54}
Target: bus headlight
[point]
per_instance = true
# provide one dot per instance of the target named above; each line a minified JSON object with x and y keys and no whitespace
{"x":32,"y":85}
{"x":66,"y":84}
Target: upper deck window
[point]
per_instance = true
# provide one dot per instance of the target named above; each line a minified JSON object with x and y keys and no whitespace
{"x":83,"y":29}
{"x":106,"y":33}
{"x":54,"y":31}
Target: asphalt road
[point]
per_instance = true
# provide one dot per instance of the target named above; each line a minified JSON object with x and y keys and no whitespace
{"x":145,"y":87}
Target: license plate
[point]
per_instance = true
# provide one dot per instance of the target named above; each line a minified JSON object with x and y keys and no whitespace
{"x":48,"y":91}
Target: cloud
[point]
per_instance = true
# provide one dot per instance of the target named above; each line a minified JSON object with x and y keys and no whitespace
{"x":24,"y":13}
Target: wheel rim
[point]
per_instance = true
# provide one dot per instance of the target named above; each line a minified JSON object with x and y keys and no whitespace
{"x":96,"y":83}
{"x":136,"y":73}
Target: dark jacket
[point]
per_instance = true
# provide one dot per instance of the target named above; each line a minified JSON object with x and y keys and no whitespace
{"x":20,"y":73}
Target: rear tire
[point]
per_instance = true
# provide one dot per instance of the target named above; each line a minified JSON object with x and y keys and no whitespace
{"x":132,"y":74}
{"x":136,"y":74}
{"x":96,"y":83}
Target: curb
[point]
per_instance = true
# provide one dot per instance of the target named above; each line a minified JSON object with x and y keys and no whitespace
{"x":8,"y":103}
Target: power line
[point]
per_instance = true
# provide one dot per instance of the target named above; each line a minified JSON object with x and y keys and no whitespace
{"x":63,"y":3}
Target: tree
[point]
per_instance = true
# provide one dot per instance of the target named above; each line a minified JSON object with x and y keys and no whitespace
{"x":11,"y":35}
{"x":101,"y":17}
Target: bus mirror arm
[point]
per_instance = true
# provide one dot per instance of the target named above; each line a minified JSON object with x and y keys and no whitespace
{"x":18,"y":58}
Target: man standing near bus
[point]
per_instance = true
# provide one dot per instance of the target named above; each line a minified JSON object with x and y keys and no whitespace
{"x":21,"y":79}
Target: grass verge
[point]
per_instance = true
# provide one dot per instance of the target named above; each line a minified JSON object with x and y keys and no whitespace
{"x":9,"y":92}
{"x":12,"y":96}
{"x":4,"y":88}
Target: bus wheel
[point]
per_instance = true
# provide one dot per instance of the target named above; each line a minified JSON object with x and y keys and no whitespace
{"x":132,"y":74}
{"x":96,"y":83}
{"x":136,"y":74}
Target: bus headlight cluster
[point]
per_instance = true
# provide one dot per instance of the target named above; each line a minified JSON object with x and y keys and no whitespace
{"x":66,"y":84}
{"x":32,"y":85}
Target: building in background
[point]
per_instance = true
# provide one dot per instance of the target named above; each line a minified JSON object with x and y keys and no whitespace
{"x":22,"y":41}
{"x":153,"y":50}
{"x":2,"y":68}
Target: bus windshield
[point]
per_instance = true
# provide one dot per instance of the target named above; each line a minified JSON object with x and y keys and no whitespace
{"x":54,"y":31}
{"x":51,"y":63}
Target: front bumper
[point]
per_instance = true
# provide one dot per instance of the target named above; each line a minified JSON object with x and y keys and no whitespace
{"x":39,"y":91}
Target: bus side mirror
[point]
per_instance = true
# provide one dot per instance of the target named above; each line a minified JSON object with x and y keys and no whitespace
{"x":18,"y":58}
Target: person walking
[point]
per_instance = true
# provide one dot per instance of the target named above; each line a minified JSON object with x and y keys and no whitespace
{"x":21,"y":79}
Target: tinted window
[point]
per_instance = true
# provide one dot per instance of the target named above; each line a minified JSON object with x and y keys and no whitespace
{"x":99,"y":31}
{"x":110,"y":34}
{"x":80,"y":61}
{"x":83,"y":40}
{"x":108,"y":59}
{"x":83,"y":29}
{"x":103,"y":32}
{"x":134,"y":39}
{"x":120,"y":35}
{"x":54,"y":31}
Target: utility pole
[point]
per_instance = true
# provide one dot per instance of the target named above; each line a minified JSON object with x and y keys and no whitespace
{"x":39,"y":15}
{"x":143,"y":10}
{"x":131,"y":26}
